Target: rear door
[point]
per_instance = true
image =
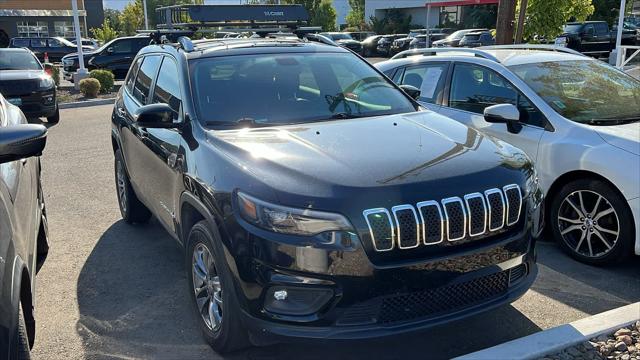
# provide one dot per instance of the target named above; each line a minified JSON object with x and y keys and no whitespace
{"x":474,"y":87}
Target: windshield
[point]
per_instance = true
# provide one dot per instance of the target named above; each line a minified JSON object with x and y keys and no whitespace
{"x":18,"y":60}
{"x":457,"y":35}
{"x":584,"y":91}
{"x":572,"y":28}
{"x":340,"y":36}
{"x":264,"y":90}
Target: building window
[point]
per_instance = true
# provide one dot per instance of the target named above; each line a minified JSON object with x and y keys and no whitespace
{"x":65,"y":29}
{"x":33,"y":29}
{"x":449,"y":15}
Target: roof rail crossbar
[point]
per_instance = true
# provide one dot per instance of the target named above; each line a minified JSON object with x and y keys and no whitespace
{"x":434,"y":51}
{"x":542,"y":47}
{"x":199,"y":16}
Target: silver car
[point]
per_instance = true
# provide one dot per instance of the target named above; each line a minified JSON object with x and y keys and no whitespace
{"x":577,"y":117}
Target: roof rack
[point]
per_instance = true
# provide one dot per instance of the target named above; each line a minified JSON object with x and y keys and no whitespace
{"x":541,"y":47}
{"x":434,"y":51}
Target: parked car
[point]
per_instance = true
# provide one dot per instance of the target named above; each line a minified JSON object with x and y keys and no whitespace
{"x":384,"y":44}
{"x":576,"y":117}
{"x":92,"y":43}
{"x":54,"y":47}
{"x":592,"y":37}
{"x":360,"y":35}
{"x":453,"y":40}
{"x":294,"y":221}
{"x":420,"y":41}
{"x":370,"y":45}
{"x":344,"y":40}
{"x":23,"y":229}
{"x":24,"y":83}
{"x":115,"y":56}
{"x":476,"y":39}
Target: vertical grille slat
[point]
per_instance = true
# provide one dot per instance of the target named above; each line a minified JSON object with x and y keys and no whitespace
{"x":408,"y":224}
{"x":380,"y":228}
{"x":455,"y":217}
{"x":475,"y":215}
{"x":514,"y":203}
{"x":432,"y":222}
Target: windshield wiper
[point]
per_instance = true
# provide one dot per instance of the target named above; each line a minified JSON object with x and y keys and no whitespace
{"x":613,"y":121}
{"x":345,"y":115}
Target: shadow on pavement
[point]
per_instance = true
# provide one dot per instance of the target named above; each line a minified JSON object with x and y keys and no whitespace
{"x":584,"y":287}
{"x":133,"y":303}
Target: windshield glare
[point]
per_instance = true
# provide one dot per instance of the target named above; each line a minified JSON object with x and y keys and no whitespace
{"x":18,"y":60}
{"x":290,"y":89}
{"x":585,"y":91}
{"x":457,"y":35}
{"x":340,"y":36}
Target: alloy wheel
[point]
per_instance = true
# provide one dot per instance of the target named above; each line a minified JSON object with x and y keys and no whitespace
{"x":207,"y":287}
{"x":122,"y":186}
{"x":588,"y":223}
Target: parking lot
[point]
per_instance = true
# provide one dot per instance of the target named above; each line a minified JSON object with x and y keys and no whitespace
{"x":112,"y":291}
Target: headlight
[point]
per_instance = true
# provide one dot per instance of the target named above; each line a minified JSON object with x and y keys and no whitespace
{"x":46,"y":82}
{"x":286,"y":220}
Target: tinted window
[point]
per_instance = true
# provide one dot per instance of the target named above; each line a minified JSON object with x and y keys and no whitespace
{"x":589,"y":30}
{"x":21,"y":42}
{"x":429,"y":78}
{"x":18,"y":60}
{"x":131,"y":76}
{"x":167,"y":89}
{"x":144,"y":78}
{"x":122,"y":47}
{"x":140,"y":43}
{"x":473,"y":88}
{"x":602,"y":28}
{"x":38,"y":43}
{"x":55,"y":43}
{"x":291,"y":88}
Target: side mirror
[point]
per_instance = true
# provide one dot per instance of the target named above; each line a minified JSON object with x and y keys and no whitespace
{"x":21,"y":141}
{"x":156,"y":116}
{"x":504,"y":113}
{"x":412,"y":91}
{"x":110,"y":50}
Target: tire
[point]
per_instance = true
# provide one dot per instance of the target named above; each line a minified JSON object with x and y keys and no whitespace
{"x":132,"y":210}
{"x":225,"y":331}
{"x":20,"y":342}
{"x":592,"y":222}
{"x":55,"y":118}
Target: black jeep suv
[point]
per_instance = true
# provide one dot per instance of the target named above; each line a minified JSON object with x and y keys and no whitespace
{"x":313,"y":198}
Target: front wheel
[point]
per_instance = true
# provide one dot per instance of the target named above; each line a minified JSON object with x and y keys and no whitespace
{"x":20,"y":343}
{"x":55,"y":118}
{"x":211,"y":288}
{"x":131,"y":208}
{"x":592,"y":222}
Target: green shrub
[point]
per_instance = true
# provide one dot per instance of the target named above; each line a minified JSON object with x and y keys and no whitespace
{"x":105,"y":77}
{"x":89,"y":87}
{"x":55,"y":74}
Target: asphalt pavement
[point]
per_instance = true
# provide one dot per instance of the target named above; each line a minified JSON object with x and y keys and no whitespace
{"x":113,"y":291}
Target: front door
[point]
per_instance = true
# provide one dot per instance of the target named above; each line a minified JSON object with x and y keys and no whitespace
{"x":475,"y":87}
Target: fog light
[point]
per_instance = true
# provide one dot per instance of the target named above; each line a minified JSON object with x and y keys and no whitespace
{"x":48,"y":99}
{"x":296,"y":301}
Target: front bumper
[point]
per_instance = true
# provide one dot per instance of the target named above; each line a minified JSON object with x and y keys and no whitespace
{"x":37,"y":104}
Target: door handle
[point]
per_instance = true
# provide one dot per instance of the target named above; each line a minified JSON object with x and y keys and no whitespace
{"x":120,"y":111}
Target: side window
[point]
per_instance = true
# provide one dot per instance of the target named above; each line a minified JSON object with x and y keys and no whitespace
{"x":38,"y":43}
{"x":54,"y":43}
{"x":429,"y":78}
{"x":144,"y":78}
{"x":20,"y":42}
{"x":167,"y":89}
{"x":131,"y":76}
{"x":122,"y":47}
{"x":602,"y":29}
{"x":589,"y":30}
{"x":473,"y":88}
{"x":140,"y":43}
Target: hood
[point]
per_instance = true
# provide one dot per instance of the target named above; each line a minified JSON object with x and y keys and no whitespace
{"x":395,"y":156}
{"x":6,"y":75}
{"x":625,"y":137}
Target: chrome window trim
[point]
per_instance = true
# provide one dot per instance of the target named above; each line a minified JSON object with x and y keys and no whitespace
{"x":506,"y":197}
{"x":394,"y":210}
{"x":504,"y":210}
{"x":446,"y":216}
{"x":366,"y":214}
{"x":484,"y":205}
{"x":422,"y":204}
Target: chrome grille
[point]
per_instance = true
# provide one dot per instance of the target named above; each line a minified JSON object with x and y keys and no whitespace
{"x":430,"y":222}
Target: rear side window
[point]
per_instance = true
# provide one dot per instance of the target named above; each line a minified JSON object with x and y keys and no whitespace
{"x":429,"y":78}
{"x":601,"y":28}
{"x":167,"y":89}
{"x":145,"y":77}
{"x":132,"y":75}
{"x":40,"y":43}
{"x":54,"y":43}
{"x":21,"y":42}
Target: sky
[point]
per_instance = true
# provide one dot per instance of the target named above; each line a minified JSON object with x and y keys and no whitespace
{"x":120,"y":4}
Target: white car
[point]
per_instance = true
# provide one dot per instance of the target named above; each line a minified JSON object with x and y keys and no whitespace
{"x":577,"y":117}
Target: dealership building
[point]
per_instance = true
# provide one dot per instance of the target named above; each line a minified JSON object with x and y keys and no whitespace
{"x":440,"y":12}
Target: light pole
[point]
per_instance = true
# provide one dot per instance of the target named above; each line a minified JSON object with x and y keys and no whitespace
{"x":623,"y":4}
{"x":146,"y":19}
{"x":82,"y":72}
{"x":427,"y":40}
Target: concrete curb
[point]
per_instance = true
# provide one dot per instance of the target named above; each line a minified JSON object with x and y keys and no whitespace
{"x":555,"y":339}
{"x":80,"y":104}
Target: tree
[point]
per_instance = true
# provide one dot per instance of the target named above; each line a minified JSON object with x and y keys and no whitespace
{"x":325,"y":16}
{"x":131,"y":18}
{"x":377,"y":25}
{"x":113,"y":16}
{"x":545,"y":18}
{"x":355,"y":17}
{"x":608,"y":10}
{"x":105,"y":33}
